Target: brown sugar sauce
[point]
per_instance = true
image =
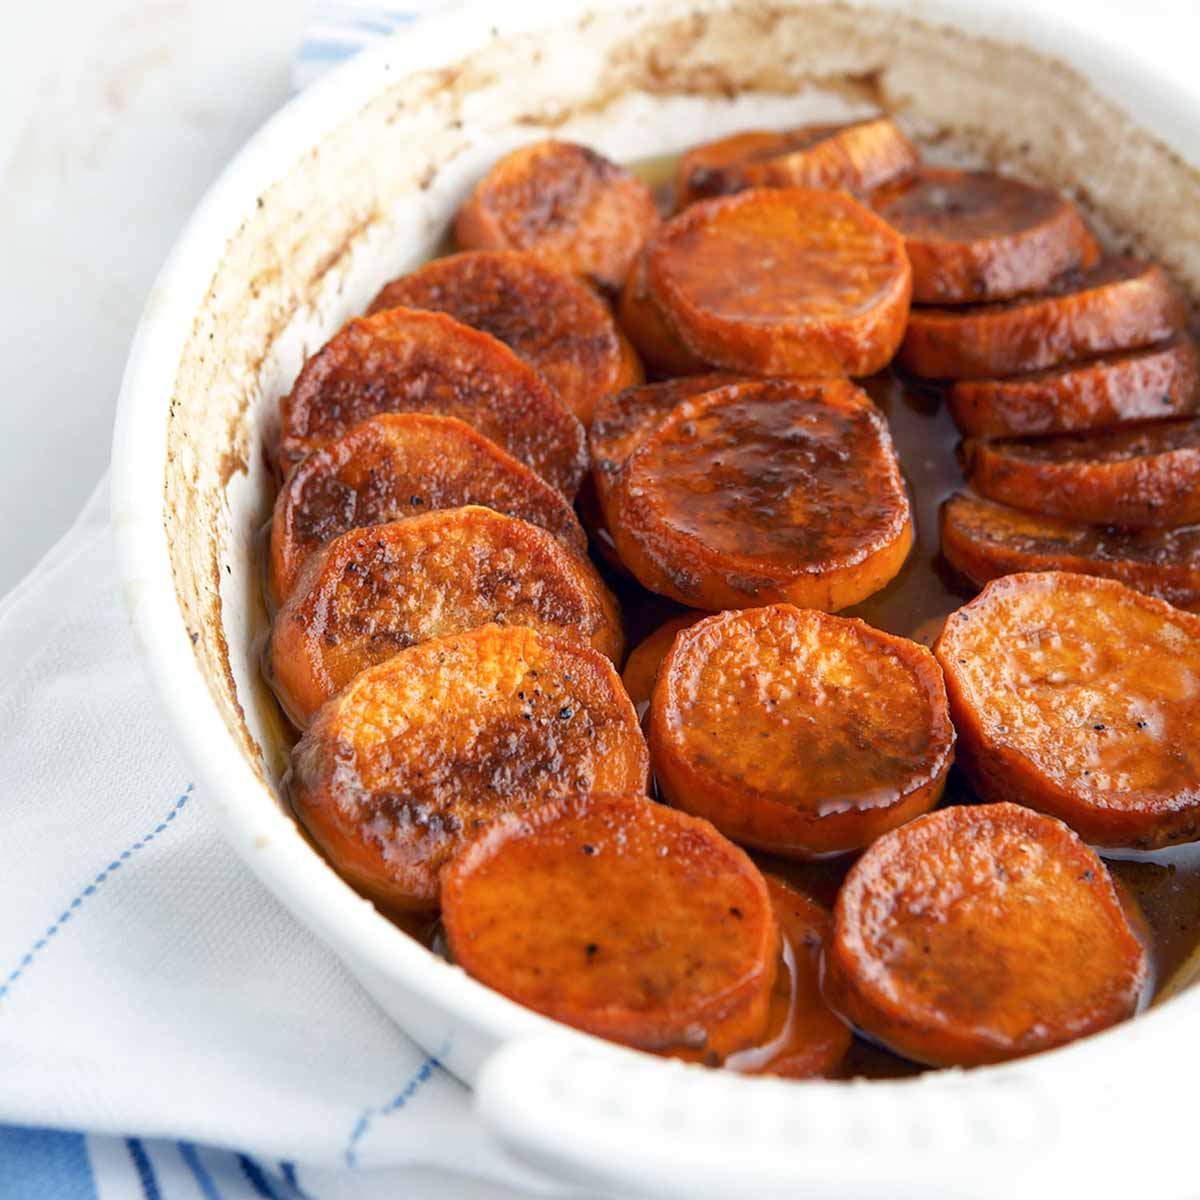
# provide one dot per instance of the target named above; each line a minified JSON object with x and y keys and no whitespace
{"x":1164,"y":885}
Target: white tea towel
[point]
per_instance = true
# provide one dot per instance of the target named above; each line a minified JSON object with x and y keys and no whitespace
{"x":150,"y":988}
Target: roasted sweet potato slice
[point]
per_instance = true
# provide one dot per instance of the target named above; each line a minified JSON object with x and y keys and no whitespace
{"x":551,"y":320}
{"x":404,"y":360}
{"x":799,"y":732}
{"x":782,"y":489}
{"x":411,"y":760}
{"x":374,"y":591}
{"x":983,"y":540}
{"x":777,"y":282}
{"x":398,"y":465}
{"x":1139,"y":385}
{"x":624,"y":419}
{"x":641,"y":668}
{"x":1140,"y":476}
{"x":857,"y":156}
{"x":565,"y":204}
{"x":979,"y":934}
{"x":647,"y":328}
{"x":805,"y":1038}
{"x":1119,"y":304}
{"x":1078,"y":696}
{"x":976,"y":235}
{"x":620,"y":917}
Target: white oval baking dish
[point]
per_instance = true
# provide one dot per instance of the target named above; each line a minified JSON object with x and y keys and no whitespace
{"x":356,"y":181}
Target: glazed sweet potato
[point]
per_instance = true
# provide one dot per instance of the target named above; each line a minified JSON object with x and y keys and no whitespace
{"x":799,"y":732}
{"x":976,"y":235}
{"x":566,"y":205}
{"x":641,"y":668}
{"x":404,"y":360}
{"x":805,"y":1038}
{"x":1077,"y":696}
{"x":979,"y":934}
{"x":857,"y":156}
{"x":1140,"y":385}
{"x":646,"y":327}
{"x":1119,"y":304}
{"x":398,"y":465}
{"x":983,"y":540}
{"x":418,"y":754}
{"x":783,"y":489}
{"x":1139,"y":476}
{"x":624,"y":419}
{"x":620,"y":917}
{"x":551,"y":320}
{"x":374,"y":591}
{"x":791,"y":281}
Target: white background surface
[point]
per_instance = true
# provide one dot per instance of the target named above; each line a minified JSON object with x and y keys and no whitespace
{"x":114,"y":117}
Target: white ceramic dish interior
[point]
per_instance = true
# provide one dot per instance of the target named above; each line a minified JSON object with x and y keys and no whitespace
{"x":354,"y":182}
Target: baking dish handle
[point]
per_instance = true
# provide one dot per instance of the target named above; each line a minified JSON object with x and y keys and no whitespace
{"x":635,"y":1125}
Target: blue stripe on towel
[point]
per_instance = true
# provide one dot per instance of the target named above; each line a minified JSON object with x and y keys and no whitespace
{"x":200,"y":1173}
{"x":44,"y":1164}
{"x":397,"y":1102}
{"x":145,"y":1172}
{"x":91,"y":889}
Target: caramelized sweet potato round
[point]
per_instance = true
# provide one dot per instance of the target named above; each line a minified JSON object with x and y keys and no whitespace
{"x":566,"y":205}
{"x":418,"y":754}
{"x":1139,"y":476}
{"x":374,"y":591}
{"x":404,"y":360}
{"x":1078,"y":696}
{"x":805,"y":1038}
{"x":398,"y":465}
{"x":1119,"y":304}
{"x":620,"y":917}
{"x":641,"y":667}
{"x":777,"y":282}
{"x":551,"y":320}
{"x":1139,"y":385}
{"x":625,"y":419}
{"x":979,"y":934}
{"x":975,"y":235}
{"x":784,"y":489}
{"x":647,"y":328}
{"x":857,"y":156}
{"x":799,"y":732}
{"x":983,"y":540}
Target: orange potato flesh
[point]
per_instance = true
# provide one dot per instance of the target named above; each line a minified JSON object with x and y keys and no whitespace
{"x":1119,"y":304}
{"x":1140,"y":385}
{"x":983,"y":540}
{"x":620,"y":917}
{"x":805,"y":1038}
{"x":858,"y":157}
{"x":1079,"y":697}
{"x":418,"y":754}
{"x":784,"y":489}
{"x":975,"y":235}
{"x":798,"y":732}
{"x":374,"y":591}
{"x":646,"y":327}
{"x":1141,"y":476}
{"x":398,"y":465}
{"x":404,"y":360}
{"x":625,"y":419}
{"x":979,"y":934}
{"x":568,"y":206}
{"x":782,"y":282}
{"x":641,"y":668}
{"x":551,"y":320}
